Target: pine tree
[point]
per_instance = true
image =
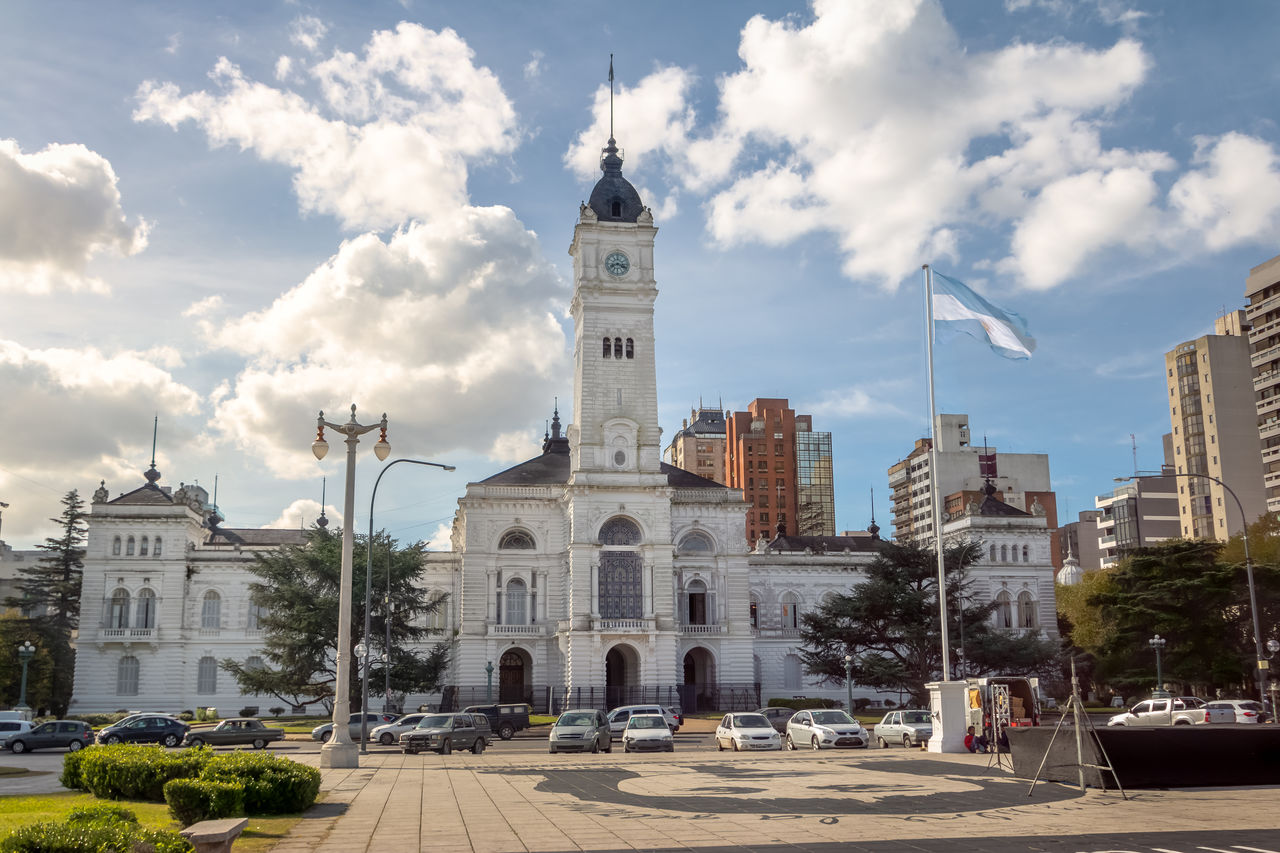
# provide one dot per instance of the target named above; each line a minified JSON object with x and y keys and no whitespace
{"x":50,"y":597}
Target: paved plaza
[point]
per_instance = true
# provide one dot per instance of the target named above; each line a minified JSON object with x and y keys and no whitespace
{"x":878,"y":800}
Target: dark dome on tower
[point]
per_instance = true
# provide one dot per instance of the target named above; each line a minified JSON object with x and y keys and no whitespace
{"x":614,"y":199}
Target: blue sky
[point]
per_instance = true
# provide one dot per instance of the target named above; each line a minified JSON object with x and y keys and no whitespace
{"x":234,"y":216}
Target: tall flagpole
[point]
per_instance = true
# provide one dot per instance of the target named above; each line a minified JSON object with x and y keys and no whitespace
{"x":935,"y":499}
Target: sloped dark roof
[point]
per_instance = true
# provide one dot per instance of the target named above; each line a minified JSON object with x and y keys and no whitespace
{"x":825,"y":544}
{"x":611,"y":188}
{"x":147,"y":495}
{"x":992,"y":507}
{"x":708,"y":422}
{"x":257,"y":536}
{"x":552,"y":468}
{"x":682,"y":479}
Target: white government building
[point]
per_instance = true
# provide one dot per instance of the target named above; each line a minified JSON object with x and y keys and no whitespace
{"x":593,"y":571}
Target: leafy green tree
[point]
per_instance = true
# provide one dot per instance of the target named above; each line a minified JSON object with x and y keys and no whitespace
{"x":1264,"y":551}
{"x":889,"y":625}
{"x":298,"y":592}
{"x":50,"y":599}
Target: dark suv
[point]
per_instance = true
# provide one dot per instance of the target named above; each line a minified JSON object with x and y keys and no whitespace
{"x":71,"y":734}
{"x":443,"y":733}
{"x":506,"y":720}
{"x":149,"y":729}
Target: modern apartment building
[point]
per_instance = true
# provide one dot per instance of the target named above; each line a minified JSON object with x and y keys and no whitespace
{"x":1262,"y":290}
{"x":1215,"y":429}
{"x":1139,"y":513}
{"x":699,"y":445}
{"x":783,"y":468}
{"x":1079,"y":539}
{"x":1021,"y":480}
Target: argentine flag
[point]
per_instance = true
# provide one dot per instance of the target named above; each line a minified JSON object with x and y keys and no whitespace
{"x":956,"y":308}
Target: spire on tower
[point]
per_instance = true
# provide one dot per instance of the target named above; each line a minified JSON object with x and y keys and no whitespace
{"x":322,"y":522}
{"x":151,"y":474}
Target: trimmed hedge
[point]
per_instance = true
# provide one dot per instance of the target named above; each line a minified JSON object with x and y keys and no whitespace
{"x":95,"y":828}
{"x":193,"y":800}
{"x":805,"y":704}
{"x":71,"y":778}
{"x":133,"y":772}
{"x":272,"y":785}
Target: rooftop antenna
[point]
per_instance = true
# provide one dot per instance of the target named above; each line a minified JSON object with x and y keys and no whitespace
{"x":1134,"y":441}
{"x":155,"y":428}
{"x":322,"y":522}
{"x":873,"y":504}
{"x":215,"y":491}
{"x":611,"y":96}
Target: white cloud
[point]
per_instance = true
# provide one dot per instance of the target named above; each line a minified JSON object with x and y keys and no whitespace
{"x":174,"y":44}
{"x":449,"y":329}
{"x":853,"y":402}
{"x":59,"y":208}
{"x":514,"y":447}
{"x":284,"y":68}
{"x":302,"y":514}
{"x":533,"y":68}
{"x":392,"y":140}
{"x":307,"y":32}
{"x":1233,"y":195}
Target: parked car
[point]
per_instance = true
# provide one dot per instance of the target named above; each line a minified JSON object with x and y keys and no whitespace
{"x":826,"y":729}
{"x":234,"y":731}
{"x":443,"y":733}
{"x":71,"y":734}
{"x":9,"y":728}
{"x":1242,"y":710}
{"x":647,"y":733}
{"x":585,"y":730}
{"x":676,"y":714}
{"x":389,"y":733}
{"x":324,"y":731}
{"x":910,"y":728}
{"x":152,"y":728}
{"x":777,"y":717}
{"x":618,"y":717}
{"x":1172,"y":711}
{"x":506,"y":720}
{"x":747,"y":731}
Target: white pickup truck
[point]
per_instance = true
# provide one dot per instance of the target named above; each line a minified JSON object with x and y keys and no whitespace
{"x":1172,"y":711}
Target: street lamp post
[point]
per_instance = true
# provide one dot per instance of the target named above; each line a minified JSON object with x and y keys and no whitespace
{"x":848,"y":680}
{"x":339,"y":751}
{"x":26,"y":652}
{"x":368,"y":591}
{"x":1261,"y":663}
{"x":1157,"y":642}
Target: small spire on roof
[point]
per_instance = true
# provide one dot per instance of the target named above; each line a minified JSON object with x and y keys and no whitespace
{"x":151,"y":474}
{"x":322,"y":522}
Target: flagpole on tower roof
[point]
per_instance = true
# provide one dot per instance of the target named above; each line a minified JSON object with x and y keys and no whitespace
{"x":611,"y":96}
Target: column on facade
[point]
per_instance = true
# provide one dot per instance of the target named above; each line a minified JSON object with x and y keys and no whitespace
{"x":594,"y":605}
{"x":646,"y":588}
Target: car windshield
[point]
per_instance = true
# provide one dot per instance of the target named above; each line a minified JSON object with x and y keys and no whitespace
{"x":647,"y":722}
{"x":751,"y":721}
{"x":915,"y":717}
{"x":435,"y":721}
{"x":576,"y":719}
{"x":832,"y":718}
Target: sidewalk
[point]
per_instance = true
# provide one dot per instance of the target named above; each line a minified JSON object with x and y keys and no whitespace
{"x":729,"y":801}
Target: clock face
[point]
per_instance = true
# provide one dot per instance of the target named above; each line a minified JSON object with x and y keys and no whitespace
{"x":616,"y":263}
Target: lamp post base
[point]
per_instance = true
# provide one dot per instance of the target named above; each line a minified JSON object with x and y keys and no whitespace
{"x":339,"y":756}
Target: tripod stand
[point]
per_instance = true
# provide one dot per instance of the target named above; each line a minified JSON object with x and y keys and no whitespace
{"x":1080,"y":720}
{"x":1000,"y":720}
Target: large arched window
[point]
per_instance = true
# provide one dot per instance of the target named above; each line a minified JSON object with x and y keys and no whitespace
{"x":621,"y":592}
{"x":790,"y":610}
{"x":155,"y":552}
{"x":993,"y":553}
{"x":1004,"y":610}
{"x":115,"y":547}
{"x":608,"y":347}
{"x":254,"y":620}
{"x":129,"y":547}
{"x":127,"y":676}
{"x":1004,"y":553}
{"x":118,"y":611}
{"x":755,"y":611}
{"x":1026,"y":610}
{"x":517,"y":603}
{"x":1026,"y":554}
{"x":631,"y":348}
{"x":696,"y":543}
{"x":254,"y":662}
{"x":620,"y":531}
{"x":792,"y":675}
{"x":696,"y":596}
{"x":516,"y":540}
{"x":437,"y":619}
{"x":145,"y":617}
{"x":211,"y":610}
{"x":145,"y":547}
{"x":207,"y":676}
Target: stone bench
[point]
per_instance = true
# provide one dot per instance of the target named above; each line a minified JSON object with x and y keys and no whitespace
{"x":215,"y":836}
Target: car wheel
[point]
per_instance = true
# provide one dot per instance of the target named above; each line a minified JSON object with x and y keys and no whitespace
{"x":113,"y":739}
{"x":446,"y":748}
{"x":506,"y":731}
{"x":719,"y":745}
{"x":814,"y":743}
{"x":595,"y":746}
{"x":736,"y":748}
{"x":324,"y":738}
{"x":882,"y":743}
{"x":171,"y":740}
{"x":386,"y":739}
{"x":75,"y":746}
{"x":259,"y":743}
{"x":791,"y":744}
{"x":625,"y":748}
{"x":409,"y":751}
{"x":551,"y":750}
{"x":906,"y":741}
{"x":196,"y":742}
{"x":608,"y":747}
{"x":17,"y":746}
{"x":478,"y":746}
{"x":1182,"y":722}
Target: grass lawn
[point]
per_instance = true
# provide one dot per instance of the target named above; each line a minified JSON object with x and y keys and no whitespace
{"x":260,"y":836}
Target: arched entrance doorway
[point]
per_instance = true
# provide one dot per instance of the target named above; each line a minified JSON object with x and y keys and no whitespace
{"x":700,"y":688}
{"x":514,"y":669}
{"x":621,"y":674}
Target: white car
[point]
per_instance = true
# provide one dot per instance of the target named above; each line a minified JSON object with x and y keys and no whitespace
{"x":1172,"y":711}
{"x":389,"y":733}
{"x":826,"y":729}
{"x":9,"y":728}
{"x":618,"y":717}
{"x":647,"y":733}
{"x":1244,"y":710}
{"x":746,"y":731}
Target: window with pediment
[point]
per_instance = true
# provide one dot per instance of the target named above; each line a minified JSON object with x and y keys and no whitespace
{"x":620,"y":531}
{"x":516,"y":540}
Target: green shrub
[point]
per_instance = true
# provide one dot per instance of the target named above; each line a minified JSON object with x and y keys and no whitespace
{"x":194,"y":800}
{"x":805,"y":704}
{"x":131,"y":772}
{"x":272,"y":785}
{"x":71,"y":778}
{"x":276,"y":711}
{"x":96,"y":828}
{"x":186,"y":716}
